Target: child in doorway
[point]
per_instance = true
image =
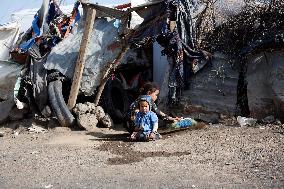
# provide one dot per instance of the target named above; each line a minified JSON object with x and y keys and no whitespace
{"x":146,"y":122}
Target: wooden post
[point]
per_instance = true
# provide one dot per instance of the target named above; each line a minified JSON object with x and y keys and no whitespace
{"x":89,"y":23}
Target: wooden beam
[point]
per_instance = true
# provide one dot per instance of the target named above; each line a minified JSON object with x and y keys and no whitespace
{"x":89,"y":23}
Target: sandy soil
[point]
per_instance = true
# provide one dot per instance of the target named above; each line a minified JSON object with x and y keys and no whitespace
{"x":216,"y":156}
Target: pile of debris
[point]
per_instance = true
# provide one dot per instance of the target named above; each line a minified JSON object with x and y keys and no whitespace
{"x":89,"y":116}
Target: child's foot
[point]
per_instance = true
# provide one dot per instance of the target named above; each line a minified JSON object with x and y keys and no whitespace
{"x":154,"y":136}
{"x":158,"y":136}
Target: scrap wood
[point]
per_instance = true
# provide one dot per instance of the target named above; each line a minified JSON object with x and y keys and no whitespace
{"x":123,"y":6}
{"x":103,"y":11}
{"x":91,"y":14}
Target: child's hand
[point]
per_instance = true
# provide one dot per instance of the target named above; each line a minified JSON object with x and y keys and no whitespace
{"x":178,"y":118}
{"x":174,"y":119}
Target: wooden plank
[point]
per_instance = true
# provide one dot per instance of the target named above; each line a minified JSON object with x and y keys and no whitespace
{"x":89,"y":23}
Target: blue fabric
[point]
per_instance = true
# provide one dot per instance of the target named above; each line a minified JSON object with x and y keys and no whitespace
{"x":77,"y":4}
{"x":146,"y":121}
{"x":35,"y":26}
{"x":53,"y":12}
{"x":143,"y":136}
{"x":183,"y":123}
{"x":78,"y":16}
{"x":26,"y":45}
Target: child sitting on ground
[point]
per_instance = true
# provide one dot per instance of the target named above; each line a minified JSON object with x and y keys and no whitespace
{"x":152,"y":90}
{"x":146,"y":122}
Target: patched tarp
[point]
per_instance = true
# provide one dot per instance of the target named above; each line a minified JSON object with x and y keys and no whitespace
{"x":9,"y":34}
{"x":63,"y":57}
{"x":38,"y":77}
{"x":8,"y":75}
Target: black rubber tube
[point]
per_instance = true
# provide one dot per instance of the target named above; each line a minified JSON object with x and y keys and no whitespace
{"x":69,"y":118}
{"x":54,"y":105}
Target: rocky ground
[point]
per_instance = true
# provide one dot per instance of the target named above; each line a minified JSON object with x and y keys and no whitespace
{"x":214,"y":156}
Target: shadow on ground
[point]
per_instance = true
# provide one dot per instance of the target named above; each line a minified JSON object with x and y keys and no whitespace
{"x":120,"y":145}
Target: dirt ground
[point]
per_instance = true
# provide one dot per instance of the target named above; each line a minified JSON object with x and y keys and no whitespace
{"x":215,"y":156}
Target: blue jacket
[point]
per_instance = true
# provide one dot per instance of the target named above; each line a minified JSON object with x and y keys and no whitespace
{"x":146,"y":121}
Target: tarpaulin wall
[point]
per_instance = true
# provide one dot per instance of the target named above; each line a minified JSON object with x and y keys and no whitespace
{"x":9,"y":33}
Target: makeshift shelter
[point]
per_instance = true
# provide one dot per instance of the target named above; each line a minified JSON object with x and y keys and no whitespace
{"x":107,"y":41}
{"x":221,"y":84}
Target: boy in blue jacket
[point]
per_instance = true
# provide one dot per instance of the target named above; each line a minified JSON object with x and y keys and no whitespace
{"x":146,"y":122}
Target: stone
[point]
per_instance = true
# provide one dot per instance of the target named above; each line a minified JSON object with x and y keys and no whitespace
{"x":87,"y":121}
{"x":106,"y":121}
{"x":100,"y":113}
{"x":206,"y":117}
{"x":81,"y":108}
{"x":268,"y":119}
{"x":245,"y":121}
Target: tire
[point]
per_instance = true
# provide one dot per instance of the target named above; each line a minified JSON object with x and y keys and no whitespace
{"x":115,"y":101}
{"x":58,"y":105}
